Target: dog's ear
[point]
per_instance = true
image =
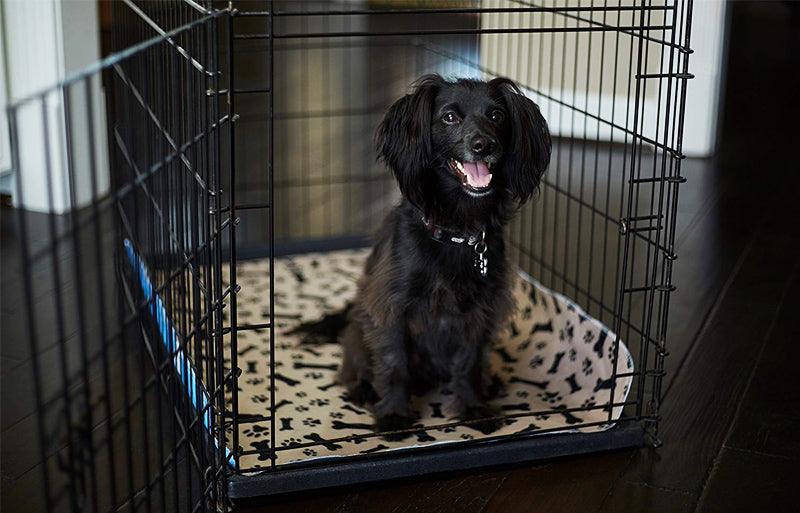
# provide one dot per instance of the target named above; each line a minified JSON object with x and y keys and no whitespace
{"x":403,"y":138}
{"x":528,"y":154}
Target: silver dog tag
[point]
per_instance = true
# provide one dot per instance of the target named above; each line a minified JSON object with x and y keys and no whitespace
{"x":481,"y":260}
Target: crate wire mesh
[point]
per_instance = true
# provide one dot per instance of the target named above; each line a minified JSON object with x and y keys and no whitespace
{"x":243,"y":130}
{"x":126,"y":427}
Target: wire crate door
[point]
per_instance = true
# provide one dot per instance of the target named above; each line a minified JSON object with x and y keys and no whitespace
{"x":121,"y":270}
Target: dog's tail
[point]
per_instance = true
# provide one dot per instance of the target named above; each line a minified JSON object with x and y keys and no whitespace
{"x":325,"y":330}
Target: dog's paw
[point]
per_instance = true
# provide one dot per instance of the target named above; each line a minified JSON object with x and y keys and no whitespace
{"x":494,"y":388}
{"x":362,"y":394}
{"x":394,"y":422}
{"x":483,"y":418}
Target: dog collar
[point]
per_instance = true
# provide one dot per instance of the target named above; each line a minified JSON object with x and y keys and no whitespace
{"x":477,"y":241}
{"x":450,"y":236}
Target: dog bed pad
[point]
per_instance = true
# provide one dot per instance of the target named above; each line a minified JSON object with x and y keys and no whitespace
{"x":551,"y":357}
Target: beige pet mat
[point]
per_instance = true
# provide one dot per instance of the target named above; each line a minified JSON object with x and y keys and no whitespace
{"x":552,"y":358}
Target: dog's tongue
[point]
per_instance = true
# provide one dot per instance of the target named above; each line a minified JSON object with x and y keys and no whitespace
{"x":477,"y":174}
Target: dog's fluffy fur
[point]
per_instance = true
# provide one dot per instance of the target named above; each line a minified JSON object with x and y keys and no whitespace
{"x":424,"y":315}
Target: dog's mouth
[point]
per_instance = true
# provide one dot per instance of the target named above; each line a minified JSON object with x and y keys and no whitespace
{"x":475,"y":177}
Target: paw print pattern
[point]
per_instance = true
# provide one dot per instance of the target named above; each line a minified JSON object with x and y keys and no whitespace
{"x":536,"y":361}
{"x":301,"y":408}
{"x":573,"y":355}
{"x":308,"y":451}
{"x":311,"y":421}
{"x":256,"y":431}
{"x":588,"y":337}
{"x":320,"y":402}
{"x":522,"y":394}
{"x":567,"y":334}
{"x":336,"y":415}
{"x":300,"y":394}
{"x":312,"y":375}
{"x":550,"y":397}
{"x":291,"y":441}
{"x":587,"y":366}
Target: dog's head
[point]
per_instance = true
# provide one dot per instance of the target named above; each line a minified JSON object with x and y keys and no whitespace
{"x":464,"y":141}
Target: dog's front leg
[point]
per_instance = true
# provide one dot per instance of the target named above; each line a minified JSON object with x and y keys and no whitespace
{"x":391,"y":382}
{"x":468,"y":375}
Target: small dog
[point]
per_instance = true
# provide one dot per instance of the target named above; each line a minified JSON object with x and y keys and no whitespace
{"x":436,"y":287}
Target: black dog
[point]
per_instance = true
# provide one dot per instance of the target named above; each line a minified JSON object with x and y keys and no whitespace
{"x":435,"y":288}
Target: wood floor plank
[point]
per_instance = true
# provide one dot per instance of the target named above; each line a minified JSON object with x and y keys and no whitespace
{"x":385,"y":498}
{"x":457,"y":493}
{"x":468,"y":492}
{"x":769,"y":416}
{"x":565,"y":485}
{"x":706,"y":258}
{"x":637,"y":497}
{"x":710,"y":386}
{"x":745,"y":482}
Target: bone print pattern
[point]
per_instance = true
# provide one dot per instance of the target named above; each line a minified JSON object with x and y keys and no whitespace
{"x":552,"y":357}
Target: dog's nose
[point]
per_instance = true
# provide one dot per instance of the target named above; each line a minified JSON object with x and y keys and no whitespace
{"x":481,"y":144}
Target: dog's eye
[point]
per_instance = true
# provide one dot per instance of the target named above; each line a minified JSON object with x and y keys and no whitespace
{"x":497,"y":116}
{"x":450,"y":117}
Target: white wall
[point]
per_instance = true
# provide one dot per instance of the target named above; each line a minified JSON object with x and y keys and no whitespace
{"x":44,"y":41}
{"x":707,"y":63}
{"x":5,"y":149}
{"x":603,"y":81}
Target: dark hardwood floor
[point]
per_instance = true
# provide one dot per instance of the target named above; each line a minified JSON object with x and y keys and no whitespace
{"x":731,"y":411}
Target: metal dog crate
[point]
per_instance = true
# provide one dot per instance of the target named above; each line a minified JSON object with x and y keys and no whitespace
{"x":223,"y":132}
